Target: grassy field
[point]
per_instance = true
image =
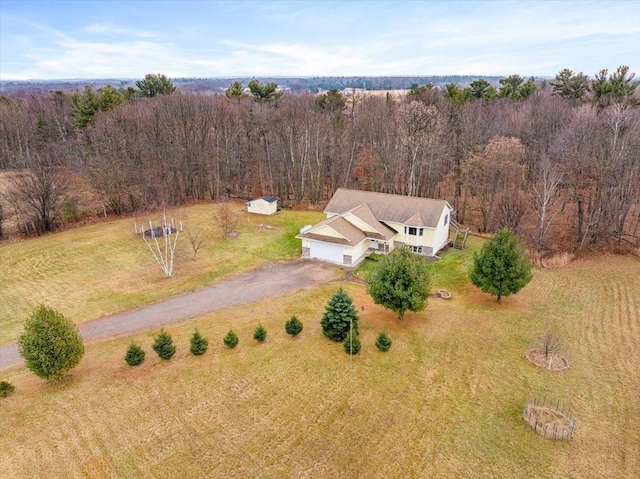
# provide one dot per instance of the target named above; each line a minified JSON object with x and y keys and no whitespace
{"x":104,"y":268}
{"x":445,"y":401}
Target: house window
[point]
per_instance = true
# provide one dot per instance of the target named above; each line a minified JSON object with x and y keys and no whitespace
{"x":417,"y":249}
{"x":421,"y":232}
{"x":446,"y":219}
{"x":413,"y":231}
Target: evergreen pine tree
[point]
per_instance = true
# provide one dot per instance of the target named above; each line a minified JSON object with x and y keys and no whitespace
{"x":383,"y":343}
{"x":500,"y":268}
{"x":260,"y":334}
{"x":293,"y":327}
{"x":50,"y":344}
{"x":135,"y":355}
{"x":339,"y":316}
{"x":199,"y":344}
{"x":400,"y":282}
{"x":163,"y":345}
{"x":231,"y":339}
{"x":352,"y":343}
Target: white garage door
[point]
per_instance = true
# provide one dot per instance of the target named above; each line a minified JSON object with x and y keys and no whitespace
{"x":327,"y":251}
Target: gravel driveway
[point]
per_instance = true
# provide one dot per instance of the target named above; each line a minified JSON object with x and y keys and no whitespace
{"x":264,"y":282}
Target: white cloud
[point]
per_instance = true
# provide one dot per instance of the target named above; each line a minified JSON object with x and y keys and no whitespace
{"x":115,"y":30}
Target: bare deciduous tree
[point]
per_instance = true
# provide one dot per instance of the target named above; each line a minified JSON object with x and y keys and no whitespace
{"x":197,"y":239}
{"x":164,"y":250}
{"x":550,"y":343}
{"x":226,"y":218}
{"x":511,"y":211}
{"x":36,"y":195}
{"x":545,"y":198}
{"x":1,"y":220}
{"x":498,"y":170}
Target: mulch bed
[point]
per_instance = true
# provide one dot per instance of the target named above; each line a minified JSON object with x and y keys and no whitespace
{"x":159,"y":232}
{"x":555,"y":362}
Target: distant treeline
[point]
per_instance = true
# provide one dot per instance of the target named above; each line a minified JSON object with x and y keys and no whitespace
{"x":301,"y":84}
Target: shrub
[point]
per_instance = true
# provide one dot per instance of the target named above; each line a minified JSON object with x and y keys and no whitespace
{"x":135,"y":355}
{"x":163,"y":345}
{"x":231,"y":339}
{"x":352,"y":343}
{"x":383,"y":343}
{"x":375,"y":256}
{"x":50,"y":344}
{"x":293,"y":326}
{"x":260,"y":334}
{"x":199,"y":344}
{"x":6,"y":388}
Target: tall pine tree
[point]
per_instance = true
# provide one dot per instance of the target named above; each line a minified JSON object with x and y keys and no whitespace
{"x":339,"y":316}
{"x":500,"y":268}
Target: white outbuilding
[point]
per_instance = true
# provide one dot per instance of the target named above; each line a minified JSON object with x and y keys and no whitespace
{"x":267,"y":205}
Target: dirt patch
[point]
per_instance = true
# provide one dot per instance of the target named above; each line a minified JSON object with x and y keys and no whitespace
{"x":554,"y":362}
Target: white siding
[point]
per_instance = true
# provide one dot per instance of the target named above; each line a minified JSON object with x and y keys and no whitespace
{"x":441,"y":234}
{"x":262,"y":207}
{"x":356,"y":252}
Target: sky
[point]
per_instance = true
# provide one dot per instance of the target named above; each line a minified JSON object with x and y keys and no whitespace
{"x":81,"y":39}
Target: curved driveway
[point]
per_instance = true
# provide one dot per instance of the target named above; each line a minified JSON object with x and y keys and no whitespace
{"x":264,"y":282}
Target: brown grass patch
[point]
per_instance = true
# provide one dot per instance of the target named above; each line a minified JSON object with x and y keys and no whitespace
{"x":445,"y":401}
{"x":556,"y":261}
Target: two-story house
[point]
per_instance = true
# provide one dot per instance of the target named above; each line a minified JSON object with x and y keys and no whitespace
{"x":361,"y":221}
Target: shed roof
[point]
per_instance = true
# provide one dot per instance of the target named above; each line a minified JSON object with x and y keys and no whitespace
{"x":269,"y":198}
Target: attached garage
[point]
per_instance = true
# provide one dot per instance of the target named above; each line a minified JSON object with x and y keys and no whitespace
{"x":326,"y":251}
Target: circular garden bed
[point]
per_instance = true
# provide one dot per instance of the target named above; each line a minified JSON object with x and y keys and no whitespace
{"x":549,"y":419}
{"x":552,"y":362}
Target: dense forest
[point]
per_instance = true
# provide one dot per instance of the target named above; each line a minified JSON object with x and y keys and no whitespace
{"x":557,"y":162}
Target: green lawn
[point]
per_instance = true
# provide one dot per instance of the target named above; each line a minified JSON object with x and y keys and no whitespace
{"x":450,"y":272}
{"x":103,"y":268}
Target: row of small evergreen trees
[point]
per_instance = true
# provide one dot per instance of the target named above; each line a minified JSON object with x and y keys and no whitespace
{"x":165,"y":349}
{"x":339,"y":323}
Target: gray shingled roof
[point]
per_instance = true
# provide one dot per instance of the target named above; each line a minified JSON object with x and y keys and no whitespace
{"x":409,"y":210}
{"x":364,"y":213}
{"x":352,"y":235}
